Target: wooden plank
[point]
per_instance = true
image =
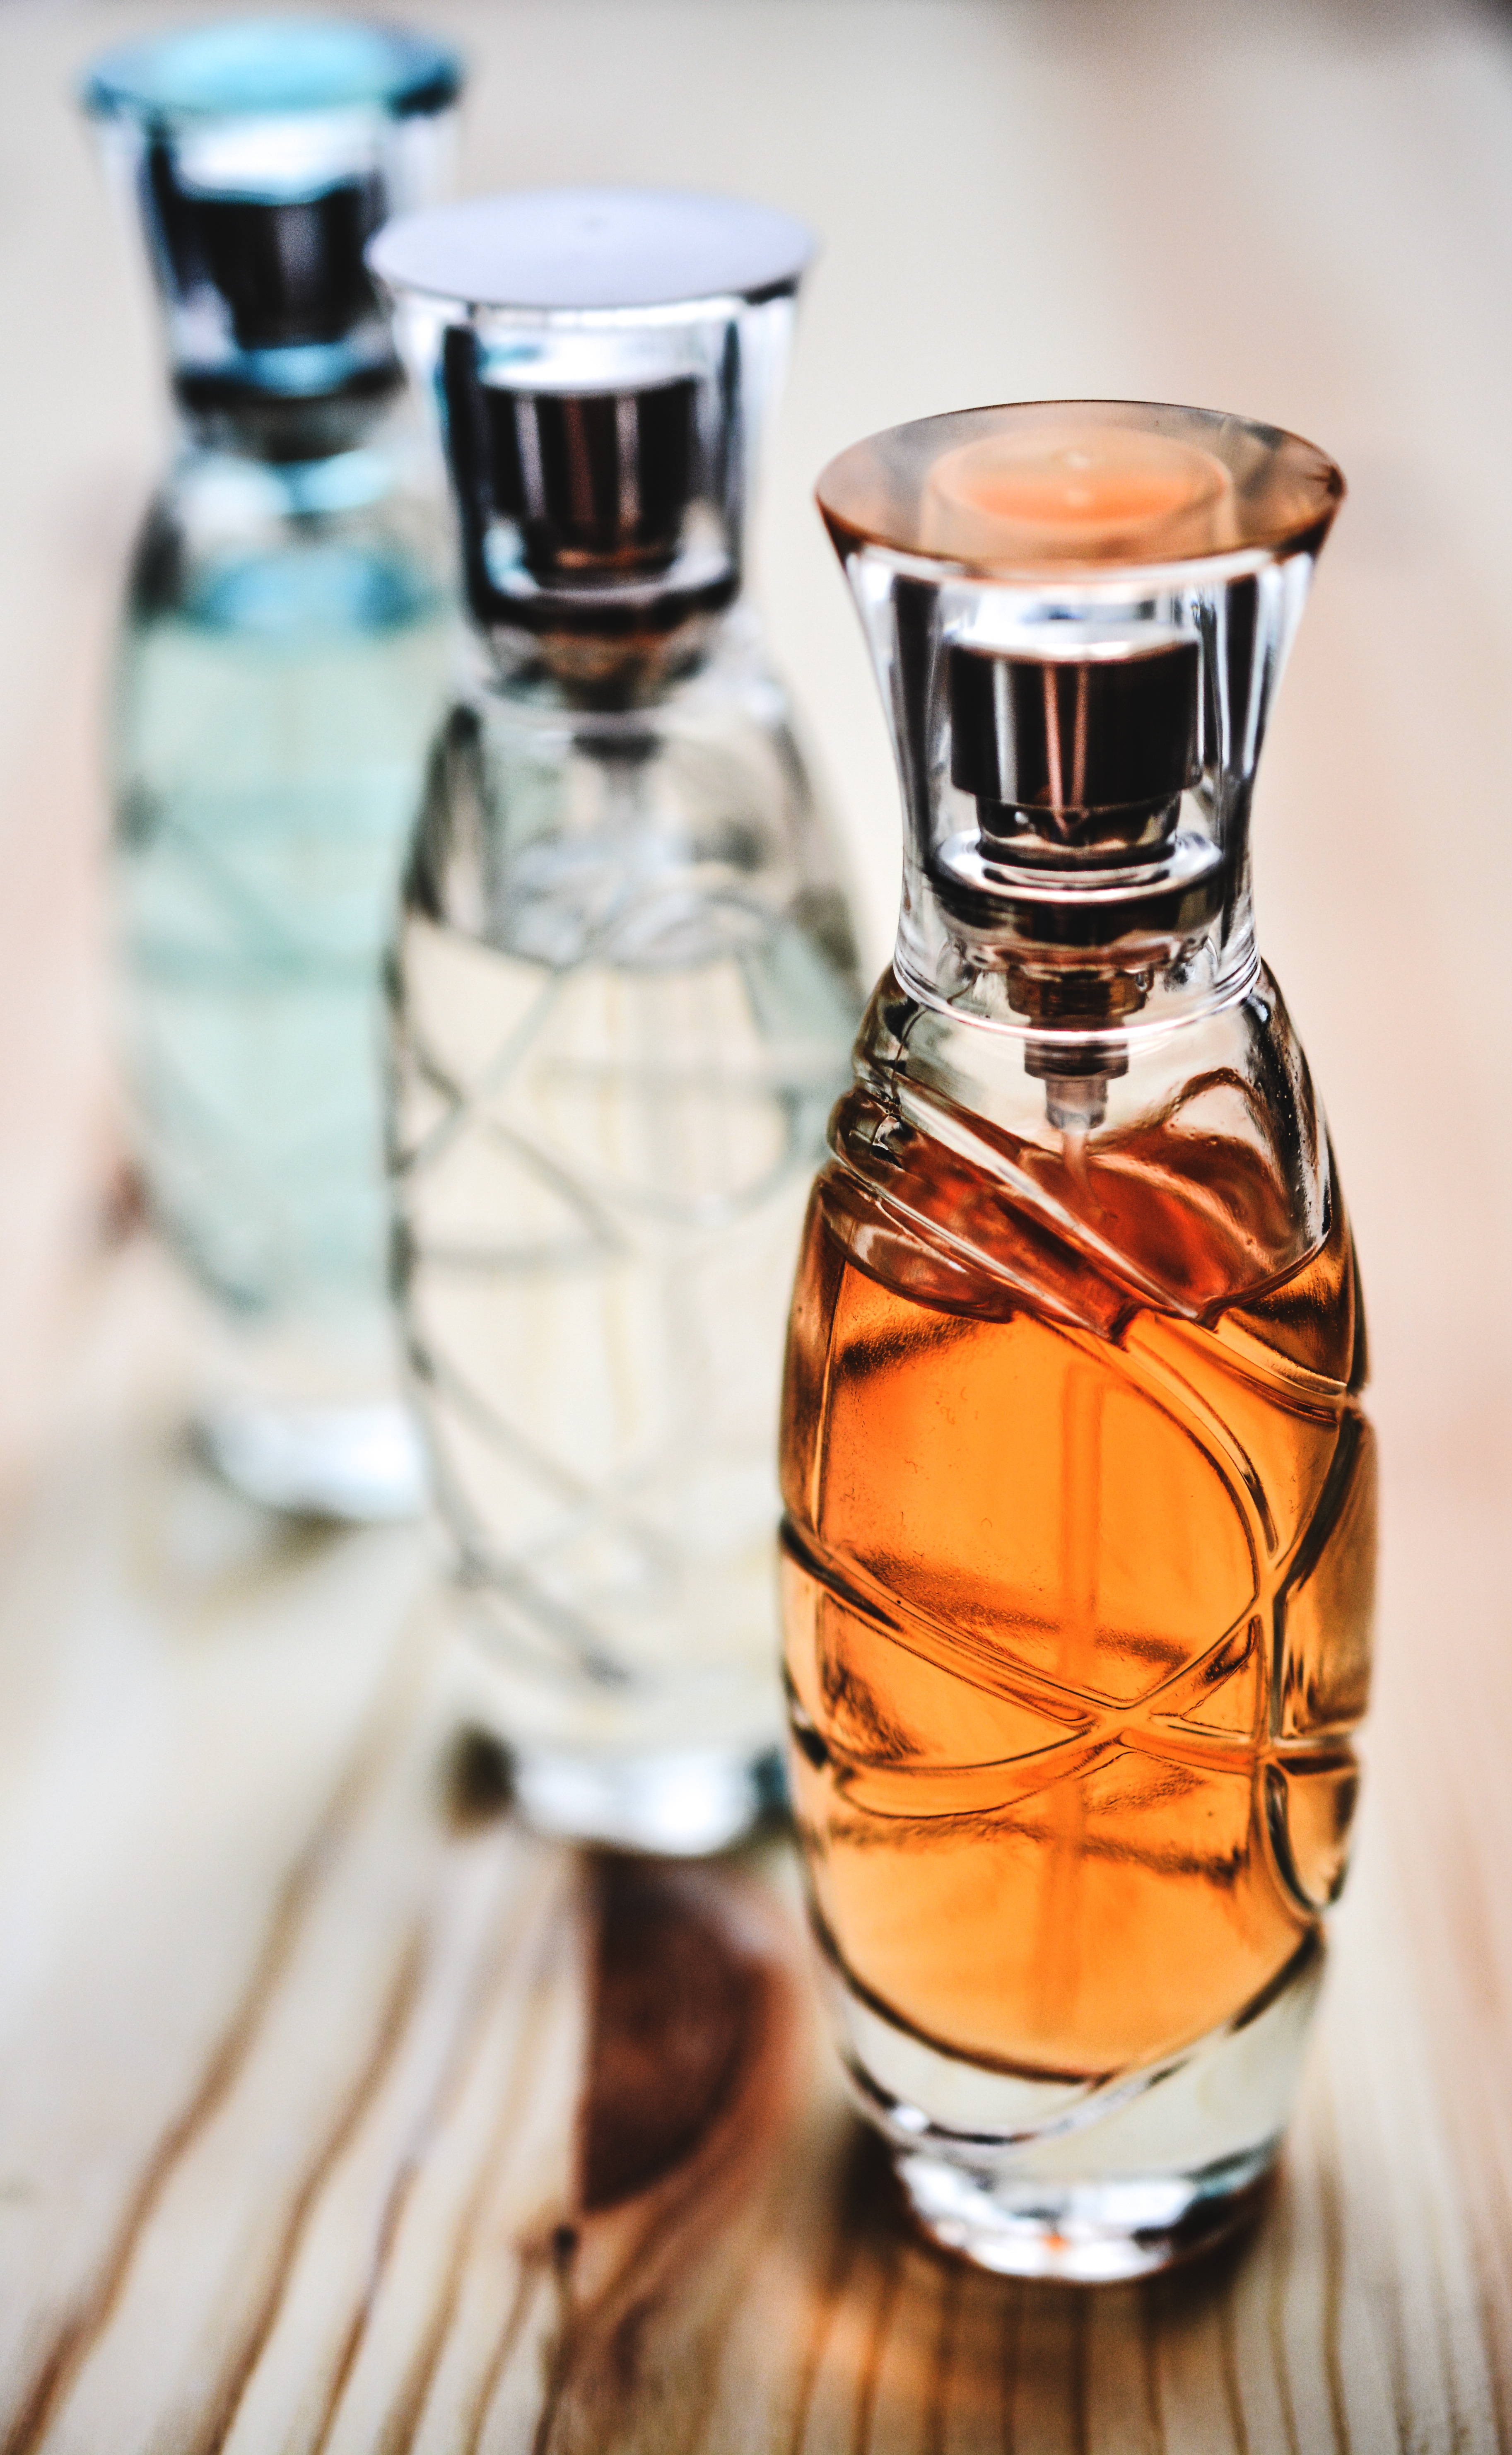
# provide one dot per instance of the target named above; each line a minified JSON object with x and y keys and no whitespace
{"x":339,"y":2114}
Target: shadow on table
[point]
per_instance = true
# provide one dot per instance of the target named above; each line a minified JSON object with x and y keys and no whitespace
{"x":738,"y":2241}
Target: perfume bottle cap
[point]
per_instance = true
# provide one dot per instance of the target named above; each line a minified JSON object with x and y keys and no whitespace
{"x":270,"y":68}
{"x":263,"y":158}
{"x":601,"y":359}
{"x":1112,"y":728}
{"x":598,"y":483}
{"x":595,"y":251}
{"x":289,"y":268}
{"x":1077,"y":612}
{"x":1035,"y":489}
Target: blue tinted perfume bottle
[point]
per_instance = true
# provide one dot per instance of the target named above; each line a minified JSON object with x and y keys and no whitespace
{"x":284,"y":652}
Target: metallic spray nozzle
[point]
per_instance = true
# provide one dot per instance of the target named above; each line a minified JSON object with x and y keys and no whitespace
{"x":1076,"y":763}
{"x":1089,"y":753}
{"x":604,"y":356}
{"x":599,"y":484}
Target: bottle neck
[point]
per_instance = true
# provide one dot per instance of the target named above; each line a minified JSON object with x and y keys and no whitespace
{"x":1209,"y":1129}
{"x":224,"y":413}
{"x":631,"y":662}
{"x":1079,"y":971}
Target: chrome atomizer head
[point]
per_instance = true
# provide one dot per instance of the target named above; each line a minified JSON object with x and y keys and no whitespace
{"x":259,"y":159}
{"x":602,"y":361}
{"x":1078,"y":612}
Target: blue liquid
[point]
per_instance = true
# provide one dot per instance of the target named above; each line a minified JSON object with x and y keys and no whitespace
{"x":274,"y":721}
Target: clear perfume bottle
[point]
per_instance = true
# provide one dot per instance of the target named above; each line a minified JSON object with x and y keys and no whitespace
{"x":285,"y":652}
{"x":1079,"y":1530}
{"x":624,"y":994}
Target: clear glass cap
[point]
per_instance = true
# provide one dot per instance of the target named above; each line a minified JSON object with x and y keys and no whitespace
{"x":261,"y":158}
{"x":602,"y":360}
{"x":1078,"y":612}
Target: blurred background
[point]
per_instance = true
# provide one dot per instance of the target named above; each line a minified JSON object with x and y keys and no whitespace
{"x":1302,"y":213}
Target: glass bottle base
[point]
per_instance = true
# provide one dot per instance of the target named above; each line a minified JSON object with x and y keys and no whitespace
{"x":1087,"y":2180}
{"x":364,"y":1464}
{"x":682,"y":1804}
{"x":1083,"y":2232}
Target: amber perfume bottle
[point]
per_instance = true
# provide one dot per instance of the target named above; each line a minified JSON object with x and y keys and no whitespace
{"x":1079,"y":1530}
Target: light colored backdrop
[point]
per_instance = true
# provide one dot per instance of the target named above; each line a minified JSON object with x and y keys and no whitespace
{"x":1301,"y":212}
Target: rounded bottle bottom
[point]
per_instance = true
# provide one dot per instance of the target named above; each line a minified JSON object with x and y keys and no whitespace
{"x":364,"y":1463}
{"x":1092,"y":2180}
{"x":637,"y":1720}
{"x":1095,"y":2231}
{"x":682,"y":1803}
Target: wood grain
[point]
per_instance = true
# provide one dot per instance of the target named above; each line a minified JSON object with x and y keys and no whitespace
{"x":335,"y":2113}
{"x":338,"y":2114}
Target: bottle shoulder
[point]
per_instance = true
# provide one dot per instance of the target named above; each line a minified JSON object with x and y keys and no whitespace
{"x":261,"y":643}
{"x":231,"y":544}
{"x":1207,"y":1191}
{"x":541,"y":823}
{"x":721,"y":729}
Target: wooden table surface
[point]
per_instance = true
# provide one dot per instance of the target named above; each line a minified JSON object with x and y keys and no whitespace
{"x":335,"y":2112}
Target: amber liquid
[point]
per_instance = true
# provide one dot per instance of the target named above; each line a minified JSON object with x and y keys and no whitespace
{"x":1079,"y":1547}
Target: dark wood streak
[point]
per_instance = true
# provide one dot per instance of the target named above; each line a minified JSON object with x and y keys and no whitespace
{"x":65,"y":2357}
{"x":394,"y":2020}
{"x":940,"y":2368}
{"x":1389,"y":2298}
{"x":1459,"y":2425}
{"x":466,"y":2045}
{"x":856,"y":2199}
{"x":1197,"y":2300}
{"x":970,"y":2351}
{"x":395,"y":2200}
{"x":1012,"y":2328}
{"x":1080,"y":2383}
{"x":855,"y":2225}
{"x":1487,"y":2253}
{"x":402,"y":2423}
{"x":535,"y":2265}
{"x":690,"y":2078}
{"x":565,"y":2242}
{"x":1276,"y":2315}
{"x":1046,"y":2393}
{"x":1152,"y":2310}
{"x":889,"y":2279}
{"x":701,"y":2396}
{"x":1330,"y":2202}
{"x":1228,"y":2360}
